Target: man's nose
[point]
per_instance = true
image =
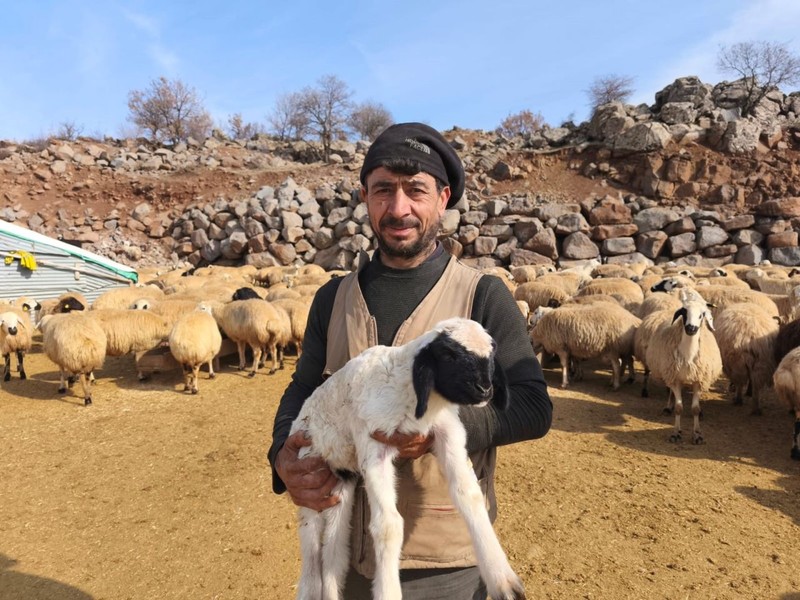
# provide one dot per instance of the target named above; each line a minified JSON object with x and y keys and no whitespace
{"x":399,"y":203}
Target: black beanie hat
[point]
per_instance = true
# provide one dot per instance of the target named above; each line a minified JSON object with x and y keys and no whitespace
{"x":423,"y":144}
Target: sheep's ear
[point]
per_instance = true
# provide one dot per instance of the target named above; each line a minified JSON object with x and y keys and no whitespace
{"x":709,"y":321}
{"x":681,"y":312}
{"x":500,"y":399}
{"x":423,"y":376}
{"x":711,"y":305}
{"x":553,"y":303}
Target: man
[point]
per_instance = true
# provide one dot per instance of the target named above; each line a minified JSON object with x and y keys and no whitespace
{"x":409,"y":177}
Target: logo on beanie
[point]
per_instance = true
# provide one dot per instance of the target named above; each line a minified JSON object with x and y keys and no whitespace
{"x":416,"y":145}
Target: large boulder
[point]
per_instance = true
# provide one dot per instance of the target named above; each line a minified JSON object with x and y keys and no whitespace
{"x":643,"y":137}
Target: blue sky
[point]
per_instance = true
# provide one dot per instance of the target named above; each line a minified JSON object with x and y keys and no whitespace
{"x":466,"y":63}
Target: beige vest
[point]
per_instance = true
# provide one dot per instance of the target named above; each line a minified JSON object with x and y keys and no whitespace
{"x":435,"y":535}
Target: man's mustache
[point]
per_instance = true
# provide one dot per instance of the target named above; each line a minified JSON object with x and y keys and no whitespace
{"x":404,"y":223}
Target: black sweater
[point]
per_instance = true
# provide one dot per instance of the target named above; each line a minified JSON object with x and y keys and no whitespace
{"x":391,"y":296}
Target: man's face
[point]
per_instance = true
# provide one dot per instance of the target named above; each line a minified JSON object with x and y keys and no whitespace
{"x":405,"y":212}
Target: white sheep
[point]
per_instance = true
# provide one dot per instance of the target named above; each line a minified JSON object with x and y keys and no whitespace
{"x":581,"y":331}
{"x":414,"y":388}
{"x":255,"y":323}
{"x":123,"y":297}
{"x":685,"y":353}
{"x":746,"y":335}
{"x":76,"y":343}
{"x":787,"y":387}
{"x":16,"y":330}
{"x":195,"y":339}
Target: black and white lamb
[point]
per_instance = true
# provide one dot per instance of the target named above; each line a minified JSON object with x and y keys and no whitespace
{"x":414,"y":388}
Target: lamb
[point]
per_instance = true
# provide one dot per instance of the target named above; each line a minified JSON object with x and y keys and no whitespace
{"x":787,"y":387}
{"x":685,"y":354}
{"x":77,"y":344}
{"x":414,"y":388}
{"x":746,"y":338}
{"x":255,"y":323}
{"x":195,"y":339}
{"x":580,"y":331}
{"x":15,"y":336}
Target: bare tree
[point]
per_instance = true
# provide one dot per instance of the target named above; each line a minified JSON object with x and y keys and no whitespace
{"x":69,"y":130}
{"x":287,"y":120}
{"x":327,"y":107}
{"x":609,"y":88}
{"x":369,"y":119}
{"x":522,"y":123}
{"x":169,"y":110}
{"x":241,"y":130}
{"x":763,"y":66}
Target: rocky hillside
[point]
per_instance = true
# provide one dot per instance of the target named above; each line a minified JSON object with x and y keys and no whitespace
{"x":685,"y":179}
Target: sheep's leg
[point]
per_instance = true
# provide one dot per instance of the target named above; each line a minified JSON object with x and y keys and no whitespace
{"x":796,"y":438}
{"x":186,"y":379}
{"x":62,"y":381}
{"x":240,"y":346}
{"x":87,"y":392}
{"x":564,"y":358}
{"x":274,"y":350}
{"x":616,"y":370}
{"x":449,"y":447}
{"x":738,"y":396}
{"x":676,"y":434}
{"x":697,"y":436}
{"x":628,"y":362}
{"x":141,"y":375}
{"x":21,"y":364}
{"x":386,"y":524}
{"x":310,"y":527}
{"x":7,"y":369}
{"x":336,"y":541}
{"x":299,"y":349}
{"x":645,"y":382}
{"x":195,"y":377}
{"x":211,"y":373}
{"x":257,"y":352}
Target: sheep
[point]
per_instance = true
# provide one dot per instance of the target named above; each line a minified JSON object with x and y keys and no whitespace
{"x":414,"y":388}
{"x":628,"y":292}
{"x":720,"y":297}
{"x":195,"y":339}
{"x":581,"y":331}
{"x":685,"y":353}
{"x":76,"y":343}
{"x":537,"y":294}
{"x":787,"y":387}
{"x":746,"y":336}
{"x":124,"y":297}
{"x":68,"y":302}
{"x":787,"y":339}
{"x":570,"y":282}
{"x":255,"y":323}
{"x":170,"y":308}
{"x":298,"y":318}
{"x":129,"y":331}
{"x":15,"y":336}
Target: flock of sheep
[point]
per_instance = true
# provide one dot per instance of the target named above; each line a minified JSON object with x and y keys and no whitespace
{"x":264,"y":310}
{"x":685,"y":325}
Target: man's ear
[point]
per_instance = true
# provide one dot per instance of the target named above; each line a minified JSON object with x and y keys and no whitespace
{"x":363,"y":193}
{"x":423,"y":375}
{"x":500,"y":399}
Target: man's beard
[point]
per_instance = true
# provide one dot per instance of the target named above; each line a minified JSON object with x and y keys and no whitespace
{"x":423,"y":242}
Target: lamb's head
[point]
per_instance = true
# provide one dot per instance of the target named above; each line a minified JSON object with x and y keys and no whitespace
{"x":27,"y":304}
{"x":459,"y":363}
{"x":10,"y":323}
{"x":666,"y":285}
{"x":70,"y":304}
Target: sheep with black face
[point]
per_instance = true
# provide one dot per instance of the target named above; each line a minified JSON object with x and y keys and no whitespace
{"x":414,"y":388}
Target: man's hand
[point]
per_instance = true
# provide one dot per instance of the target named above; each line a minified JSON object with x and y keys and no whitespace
{"x":309,"y":480}
{"x":410,"y":445}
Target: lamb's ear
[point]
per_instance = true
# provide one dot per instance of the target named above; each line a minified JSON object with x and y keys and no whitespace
{"x":709,"y":321}
{"x":500,"y":399}
{"x":681,"y":312}
{"x":423,"y":376}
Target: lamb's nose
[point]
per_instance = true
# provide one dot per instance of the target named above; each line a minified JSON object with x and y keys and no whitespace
{"x":12,"y":331}
{"x":691,"y":329}
{"x":483,"y":391}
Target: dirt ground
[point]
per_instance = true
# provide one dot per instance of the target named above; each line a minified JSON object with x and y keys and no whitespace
{"x":154,"y":494}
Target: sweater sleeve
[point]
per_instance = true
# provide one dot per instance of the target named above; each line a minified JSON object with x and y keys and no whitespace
{"x":530,"y":410}
{"x":307,"y":376}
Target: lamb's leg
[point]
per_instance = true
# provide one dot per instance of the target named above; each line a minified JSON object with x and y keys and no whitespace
{"x":386,"y":524}
{"x":449,"y":447}
{"x":336,"y":541}
{"x":697,"y":436}
{"x":564,"y":358}
{"x":21,"y":364}
{"x":676,"y":434}
{"x":310,"y":527}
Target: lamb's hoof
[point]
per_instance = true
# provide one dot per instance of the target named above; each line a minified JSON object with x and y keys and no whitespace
{"x":251,"y":374}
{"x":676,"y":437}
{"x":87,"y":402}
{"x":697,"y":439}
{"x":795,"y":453}
{"x":62,"y":390}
